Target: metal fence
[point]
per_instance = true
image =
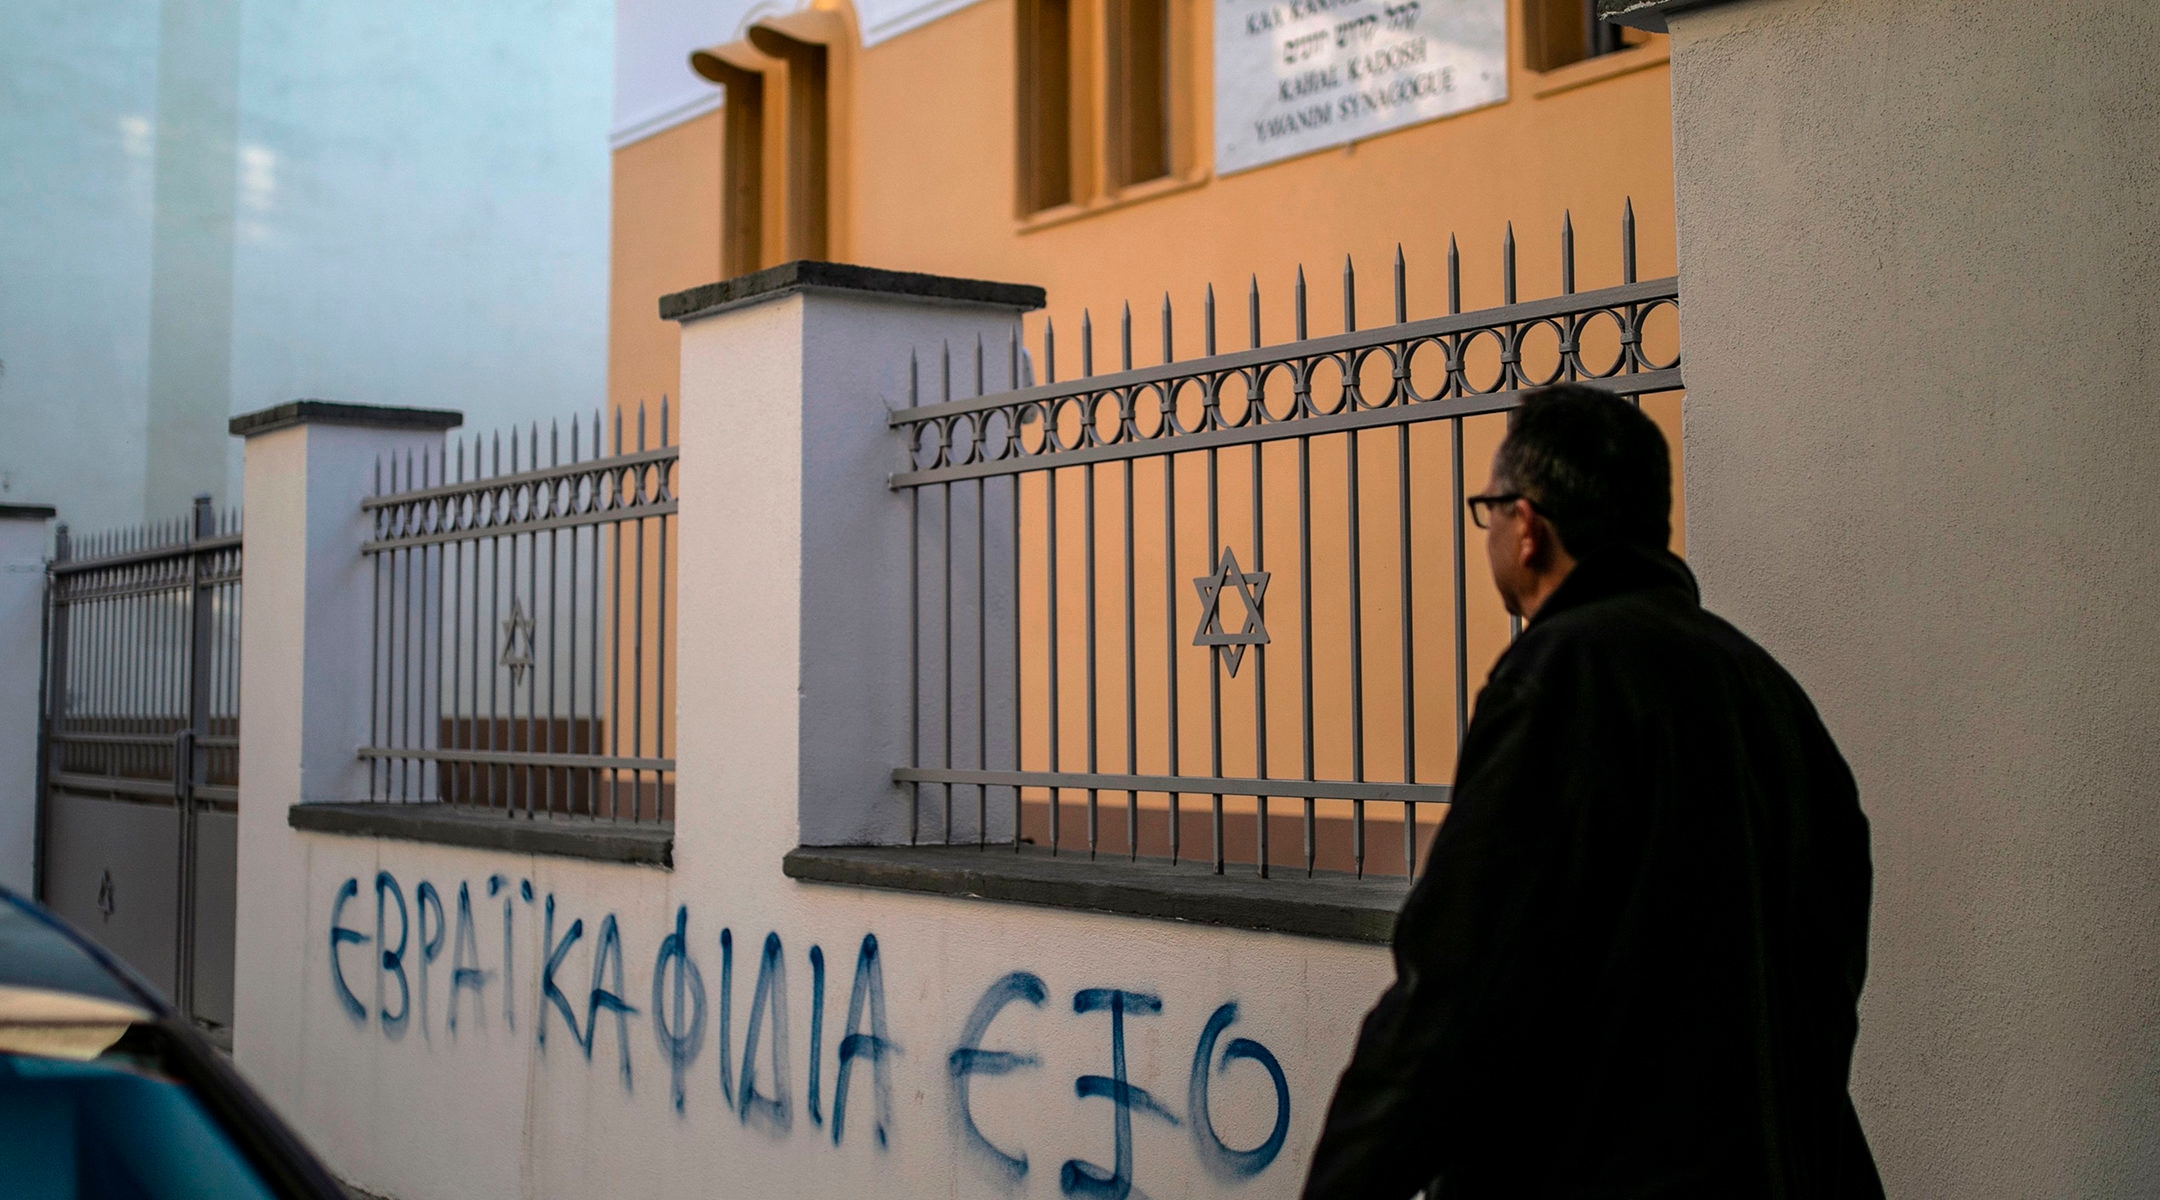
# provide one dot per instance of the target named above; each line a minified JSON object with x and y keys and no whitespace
{"x":520,"y":640}
{"x":141,"y":745}
{"x":1194,"y":501}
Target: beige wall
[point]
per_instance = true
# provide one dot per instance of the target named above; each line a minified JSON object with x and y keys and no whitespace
{"x":1917,"y":248}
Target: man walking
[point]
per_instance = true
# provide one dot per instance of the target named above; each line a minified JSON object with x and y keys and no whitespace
{"x":1632,"y":965}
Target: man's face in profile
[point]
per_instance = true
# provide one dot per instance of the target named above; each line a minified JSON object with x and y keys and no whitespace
{"x":1507,"y":549}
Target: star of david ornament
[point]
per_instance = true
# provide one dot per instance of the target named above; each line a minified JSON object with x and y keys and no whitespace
{"x":517,"y":643}
{"x":1231,"y":580}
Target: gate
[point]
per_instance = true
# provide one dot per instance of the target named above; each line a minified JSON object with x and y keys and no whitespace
{"x":139,"y":824}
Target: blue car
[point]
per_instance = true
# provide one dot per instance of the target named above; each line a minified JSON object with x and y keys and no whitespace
{"x":107,"y":1094}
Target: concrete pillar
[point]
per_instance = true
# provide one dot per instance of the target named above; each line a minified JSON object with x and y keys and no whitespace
{"x":794,"y":698}
{"x":22,"y":610}
{"x":1919,"y":273}
{"x":303,"y":672}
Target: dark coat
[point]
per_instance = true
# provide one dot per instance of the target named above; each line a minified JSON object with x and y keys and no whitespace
{"x":1632,"y":965}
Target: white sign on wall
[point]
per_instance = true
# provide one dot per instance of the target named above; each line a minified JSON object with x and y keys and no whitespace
{"x":1292,"y":76}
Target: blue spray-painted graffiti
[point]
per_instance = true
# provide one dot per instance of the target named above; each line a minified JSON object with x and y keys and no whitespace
{"x":969,"y":1059}
{"x":409,"y":940}
{"x":1219,"y":1159}
{"x":683,"y":1035}
{"x":1079,"y":1178}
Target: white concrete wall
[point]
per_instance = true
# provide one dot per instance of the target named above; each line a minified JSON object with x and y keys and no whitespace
{"x":1918,"y":255}
{"x":22,"y":609}
{"x":543,"y":1086}
{"x":408,"y":1107}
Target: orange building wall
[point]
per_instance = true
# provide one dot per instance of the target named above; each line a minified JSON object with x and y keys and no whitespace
{"x":930,"y":187}
{"x":928,"y":184}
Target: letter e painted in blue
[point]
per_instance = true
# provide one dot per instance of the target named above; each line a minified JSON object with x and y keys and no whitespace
{"x":1220,"y":1160}
{"x":969,"y":1059}
{"x":341,"y":936}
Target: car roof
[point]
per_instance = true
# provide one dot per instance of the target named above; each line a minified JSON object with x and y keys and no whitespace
{"x":38,"y":952}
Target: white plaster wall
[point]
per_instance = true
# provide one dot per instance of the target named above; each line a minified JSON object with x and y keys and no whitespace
{"x":413,"y":1110}
{"x":1918,"y":255}
{"x":22,"y":609}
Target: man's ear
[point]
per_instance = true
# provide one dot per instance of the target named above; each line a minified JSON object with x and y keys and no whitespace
{"x":1537,"y":539}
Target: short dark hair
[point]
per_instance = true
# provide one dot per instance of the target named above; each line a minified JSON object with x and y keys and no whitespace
{"x":1593,"y":465}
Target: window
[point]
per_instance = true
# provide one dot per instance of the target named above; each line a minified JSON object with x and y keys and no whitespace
{"x":1139,"y":90}
{"x":808,"y":143}
{"x":1098,"y":101}
{"x":780,"y":141}
{"x":742,"y":165}
{"x":1045,"y":66}
{"x":1559,"y":32}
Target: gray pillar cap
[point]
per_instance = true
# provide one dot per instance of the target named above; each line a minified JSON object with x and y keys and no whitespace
{"x":330,"y":412}
{"x":808,"y":274}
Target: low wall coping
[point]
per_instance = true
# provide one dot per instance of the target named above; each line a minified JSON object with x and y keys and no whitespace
{"x":650,"y":844}
{"x":1327,"y":905}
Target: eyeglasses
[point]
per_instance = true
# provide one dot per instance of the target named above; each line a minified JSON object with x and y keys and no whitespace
{"x":1481,"y":507}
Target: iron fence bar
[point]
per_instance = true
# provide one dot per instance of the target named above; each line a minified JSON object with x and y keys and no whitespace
{"x":495,"y":623}
{"x":520,"y":758}
{"x":1170,"y":638}
{"x":1019,"y":668}
{"x":914,"y":629}
{"x":662,"y":508}
{"x":637,"y":653}
{"x":1260,"y":690}
{"x":1306,"y":711}
{"x":459,"y":785}
{"x":1214,"y":541}
{"x":1056,"y":748}
{"x":592,"y":640}
{"x":1087,"y":563}
{"x":1663,"y":379}
{"x":1132,"y":682}
{"x":554,"y":544}
{"x":1409,"y":649}
{"x":1356,"y":536}
{"x":615,"y":608}
{"x":1509,"y":313}
{"x":1334,"y":789}
{"x":516,"y":478}
{"x":532,"y":590}
{"x":660,"y":469}
{"x":945,"y":573}
{"x":135,"y":556}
